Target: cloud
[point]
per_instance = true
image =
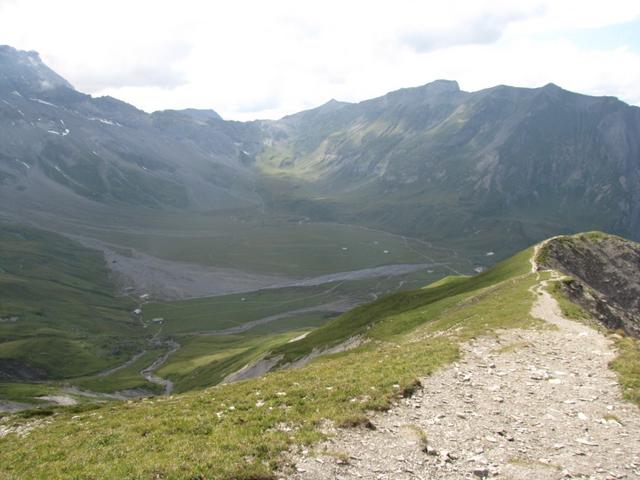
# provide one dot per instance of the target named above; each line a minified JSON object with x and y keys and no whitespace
{"x":483,"y":29}
{"x":261,"y":105}
{"x":253,"y":59}
{"x":99,"y":45}
{"x":157,"y":67}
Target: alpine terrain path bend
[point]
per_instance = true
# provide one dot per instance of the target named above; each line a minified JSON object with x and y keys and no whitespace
{"x":548,"y":408}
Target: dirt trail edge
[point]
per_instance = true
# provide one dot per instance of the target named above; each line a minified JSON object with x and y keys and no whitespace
{"x":529,"y":404}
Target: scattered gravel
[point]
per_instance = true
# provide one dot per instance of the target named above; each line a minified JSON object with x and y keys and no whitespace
{"x":548,"y":408}
{"x":21,"y":429}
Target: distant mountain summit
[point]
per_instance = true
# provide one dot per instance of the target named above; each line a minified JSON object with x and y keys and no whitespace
{"x":201,"y":114}
{"x":497,"y":167}
{"x":25,"y":71}
{"x":62,"y":149}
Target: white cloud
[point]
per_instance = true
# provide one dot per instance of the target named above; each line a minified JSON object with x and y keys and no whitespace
{"x":249,"y":59}
{"x":470,"y":28}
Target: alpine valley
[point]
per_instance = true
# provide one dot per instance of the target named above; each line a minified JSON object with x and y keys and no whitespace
{"x":184,"y":296}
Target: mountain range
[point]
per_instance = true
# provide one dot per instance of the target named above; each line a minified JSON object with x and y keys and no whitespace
{"x":334,"y":294}
{"x":493,"y":170}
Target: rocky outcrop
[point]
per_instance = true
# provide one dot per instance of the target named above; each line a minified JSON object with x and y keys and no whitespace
{"x":604,"y":276}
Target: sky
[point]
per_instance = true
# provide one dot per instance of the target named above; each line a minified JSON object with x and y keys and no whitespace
{"x":251,"y":59}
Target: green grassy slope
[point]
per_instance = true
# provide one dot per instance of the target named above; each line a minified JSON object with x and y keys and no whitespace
{"x":228,"y":311}
{"x":627,"y":366}
{"x":210,"y":314}
{"x":67,"y":319}
{"x":71,"y":325}
{"x":239,"y":430}
{"x":207,"y":353}
{"x":128,"y":378}
{"x":203,"y":361}
{"x":400,"y":312}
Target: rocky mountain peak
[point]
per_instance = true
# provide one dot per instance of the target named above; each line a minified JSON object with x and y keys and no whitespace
{"x":201,"y":114}
{"x":442,"y":86}
{"x":436,"y":92}
{"x":25,"y":71}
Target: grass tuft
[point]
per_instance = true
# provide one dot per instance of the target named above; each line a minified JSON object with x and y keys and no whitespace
{"x":627,"y":366}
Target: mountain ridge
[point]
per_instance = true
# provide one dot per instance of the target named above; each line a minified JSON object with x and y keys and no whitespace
{"x":491,"y":170}
{"x":417,"y":345}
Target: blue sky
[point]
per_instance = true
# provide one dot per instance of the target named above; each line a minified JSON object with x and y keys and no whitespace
{"x":609,"y":37}
{"x":254,"y":59}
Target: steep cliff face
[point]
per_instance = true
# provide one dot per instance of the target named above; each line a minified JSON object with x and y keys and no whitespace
{"x":604,"y":273}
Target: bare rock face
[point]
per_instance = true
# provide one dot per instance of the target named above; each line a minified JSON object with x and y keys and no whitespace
{"x":605,"y":273}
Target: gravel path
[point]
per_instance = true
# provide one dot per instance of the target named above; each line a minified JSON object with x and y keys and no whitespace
{"x":529,"y":404}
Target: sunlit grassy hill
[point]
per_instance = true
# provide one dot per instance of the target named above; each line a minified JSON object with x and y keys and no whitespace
{"x":239,"y":430}
{"x":60,"y":314}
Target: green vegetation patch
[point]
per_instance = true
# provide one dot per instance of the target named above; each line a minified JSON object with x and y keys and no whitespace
{"x":61,"y":316}
{"x":627,"y":366}
{"x":128,"y":378}
{"x":567,"y":307}
{"x":25,"y":392}
{"x":239,"y":431}
{"x":401,"y":312}
{"x":272,"y":244}
{"x":202,"y":361}
{"x":448,"y":280}
{"x":59,"y":357}
{"x":228,"y":311}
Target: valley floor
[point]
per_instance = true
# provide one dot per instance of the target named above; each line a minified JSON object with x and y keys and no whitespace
{"x":524,"y":404}
{"x":531,"y":395}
